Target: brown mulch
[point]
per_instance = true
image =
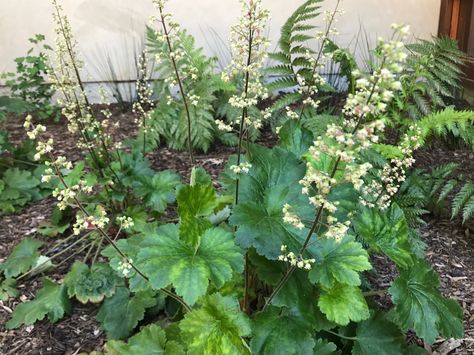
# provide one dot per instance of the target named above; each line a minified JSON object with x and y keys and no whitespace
{"x":450,"y":249}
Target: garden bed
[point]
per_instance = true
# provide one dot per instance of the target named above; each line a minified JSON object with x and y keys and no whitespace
{"x":450,"y":249}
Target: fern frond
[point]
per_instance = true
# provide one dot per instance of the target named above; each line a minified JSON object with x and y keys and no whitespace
{"x":462,"y":198}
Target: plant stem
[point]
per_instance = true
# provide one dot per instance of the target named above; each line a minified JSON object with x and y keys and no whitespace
{"x":341,"y":336}
{"x":321,"y":50}
{"x":180,"y":84}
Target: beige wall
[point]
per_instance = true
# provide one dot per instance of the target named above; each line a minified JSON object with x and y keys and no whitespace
{"x":113,"y":25}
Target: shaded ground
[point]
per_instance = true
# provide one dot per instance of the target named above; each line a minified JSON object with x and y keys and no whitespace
{"x":450,"y":251}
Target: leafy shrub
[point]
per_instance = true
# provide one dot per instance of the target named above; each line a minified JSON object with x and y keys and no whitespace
{"x":29,"y":82}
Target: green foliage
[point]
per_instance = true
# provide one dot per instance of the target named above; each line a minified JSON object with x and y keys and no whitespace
{"x":8,"y":290}
{"x":343,"y":303}
{"x":432,"y":74}
{"x":169,"y":117}
{"x":17,"y":188}
{"x":50,"y":301}
{"x":264,"y":191}
{"x":22,"y":258}
{"x":29,"y":82}
{"x":281,"y":332}
{"x":377,"y":335}
{"x":386,"y":232}
{"x":419,"y":305}
{"x":216,"y":327}
{"x":168,"y":260}
{"x":90,"y":285}
{"x":158,"y":190}
{"x":464,"y":201}
{"x":151,"y":340}
{"x":120,"y":324}
{"x":339,"y":263}
{"x":290,"y":60}
{"x":449,"y":121}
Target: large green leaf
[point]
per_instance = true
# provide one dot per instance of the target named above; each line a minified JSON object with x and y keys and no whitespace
{"x":120,"y":314}
{"x":90,"y":285}
{"x":51,"y":301}
{"x":151,"y":340}
{"x":339,"y":262}
{"x":270,"y":168}
{"x":167,"y":260}
{"x":195,"y":203}
{"x":260,"y":223}
{"x":22,"y":258}
{"x":343,"y":303}
{"x":295,"y":138}
{"x":217,"y":327}
{"x":280,"y":332}
{"x":377,"y":335}
{"x":419,"y":304}
{"x":386,"y":232}
{"x":158,"y":190}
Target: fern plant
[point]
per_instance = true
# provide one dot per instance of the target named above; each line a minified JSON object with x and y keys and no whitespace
{"x":291,"y":59}
{"x":201,"y":86}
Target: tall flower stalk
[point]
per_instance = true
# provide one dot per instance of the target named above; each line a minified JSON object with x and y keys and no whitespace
{"x":361,"y":129}
{"x":168,"y":35}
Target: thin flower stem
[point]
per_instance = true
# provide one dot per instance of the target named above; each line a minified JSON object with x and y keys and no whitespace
{"x":54,"y":256}
{"x":239,"y":153}
{"x":180,"y":84}
{"x":318,"y":58}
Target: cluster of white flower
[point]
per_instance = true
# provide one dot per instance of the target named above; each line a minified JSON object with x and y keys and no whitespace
{"x":33,"y":132}
{"x":142,"y":107}
{"x":64,"y":74}
{"x":291,"y":217}
{"x":125,"y":222}
{"x":242,"y":168}
{"x":249,"y":48}
{"x":393,"y":174}
{"x":90,"y":222}
{"x":309,"y":86}
{"x":293,"y":260}
{"x":125,"y":266}
{"x":374,"y":91}
{"x":344,"y":144}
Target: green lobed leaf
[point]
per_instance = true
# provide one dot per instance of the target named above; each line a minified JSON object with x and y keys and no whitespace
{"x":339,"y":262}
{"x":151,"y":340}
{"x":343,"y":303}
{"x":90,"y":285}
{"x":120,"y":314}
{"x":51,"y":300}
{"x":386,"y":232}
{"x":377,"y":335}
{"x":158,"y":190}
{"x":167,"y":260}
{"x":260,"y":224}
{"x":194,"y":203}
{"x":22,"y":258}
{"x":323,"y":347}
{"x":419,"y":304}
{"x":8,"y":289}
{"x":295,"y":138}
{"x":281,"y":332}
{"x":217,"y":327}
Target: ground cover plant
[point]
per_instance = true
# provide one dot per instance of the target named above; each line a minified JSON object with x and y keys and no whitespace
{"x":276,"y":256}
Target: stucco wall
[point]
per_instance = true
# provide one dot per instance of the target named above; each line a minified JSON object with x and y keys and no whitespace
{"x":116,"y":26}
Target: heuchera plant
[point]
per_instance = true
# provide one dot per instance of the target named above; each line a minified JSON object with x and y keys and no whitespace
{"x":275,"y":262}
